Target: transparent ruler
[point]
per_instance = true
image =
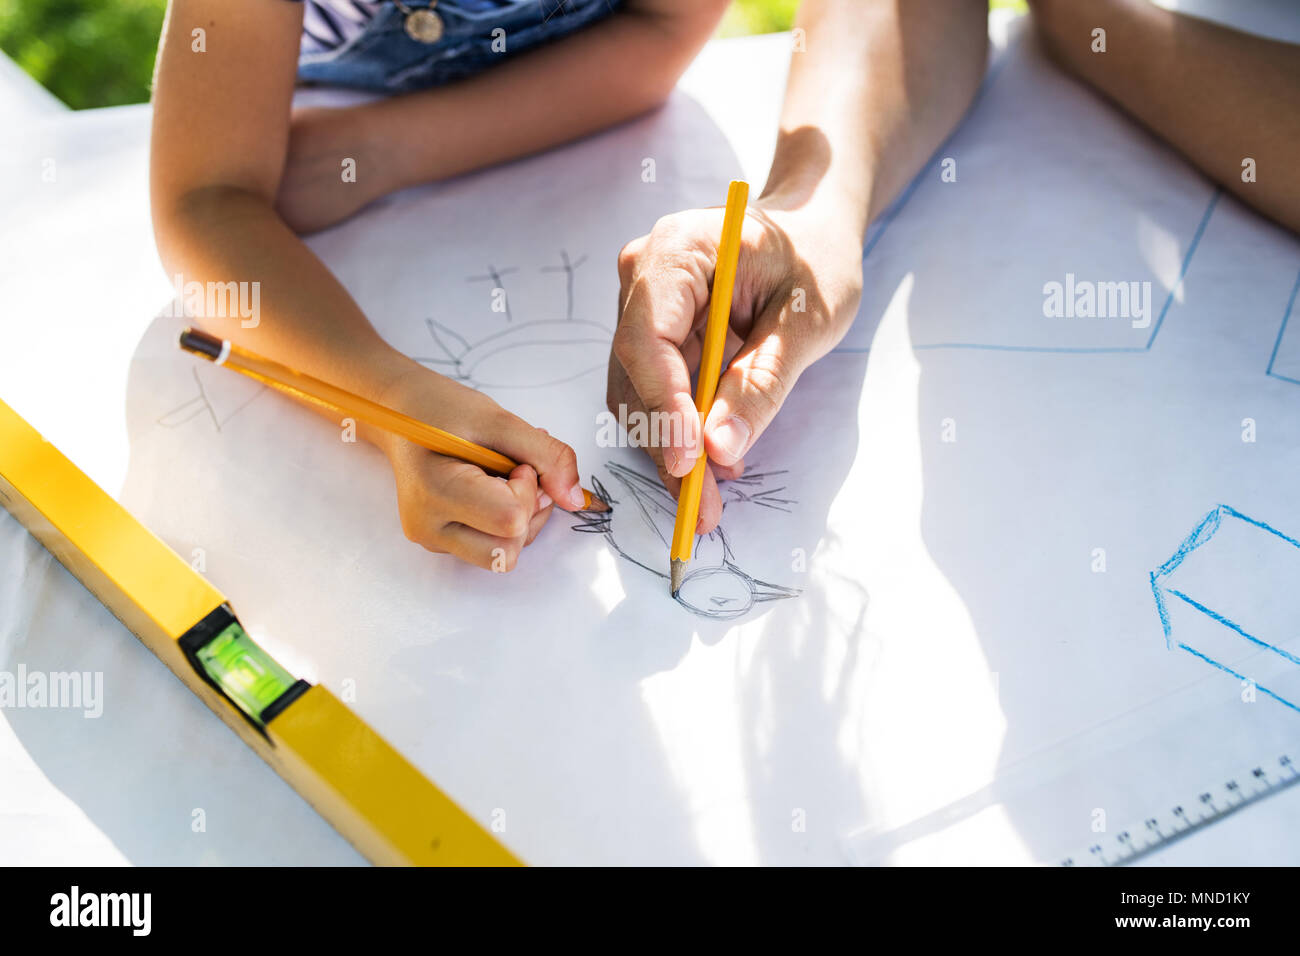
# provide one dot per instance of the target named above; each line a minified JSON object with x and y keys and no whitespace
{"x":1167,"y":770}
{"x":1197,"y":812}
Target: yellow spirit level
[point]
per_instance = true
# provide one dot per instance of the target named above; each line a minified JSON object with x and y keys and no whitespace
{"x":347,"y":772}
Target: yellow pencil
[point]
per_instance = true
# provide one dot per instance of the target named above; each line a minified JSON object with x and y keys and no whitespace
{"x":715,"y":338}
{"x":342,"y":402}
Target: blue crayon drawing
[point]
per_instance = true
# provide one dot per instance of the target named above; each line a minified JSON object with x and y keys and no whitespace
{"x":929,"y":173}
{"x":1065,"y":349}
{"x":1284,"y":363}
{"x":1162,"y":587}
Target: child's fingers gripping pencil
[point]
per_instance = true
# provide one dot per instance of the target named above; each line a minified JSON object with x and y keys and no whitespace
{"x":715,"y":337}
{"x":317,"y":392}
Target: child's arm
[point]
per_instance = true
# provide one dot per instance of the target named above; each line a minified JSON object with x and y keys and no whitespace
{"x":606,"y":73}
{"x":220,"y":129}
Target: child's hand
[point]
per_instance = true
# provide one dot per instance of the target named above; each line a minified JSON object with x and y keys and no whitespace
{"x":448,"y":506}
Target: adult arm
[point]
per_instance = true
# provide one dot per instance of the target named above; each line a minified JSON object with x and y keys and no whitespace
{"x":874,"y":90}
{"x":1218,"y":95}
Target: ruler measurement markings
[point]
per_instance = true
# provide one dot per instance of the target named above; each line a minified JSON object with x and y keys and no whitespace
{"x":1210,"y":808}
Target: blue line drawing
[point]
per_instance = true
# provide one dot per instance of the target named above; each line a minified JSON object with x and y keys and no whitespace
{"x":1286,"y":317}
{"x":639,"y":527}
{"x":877,"y":229}
{"x":1067,"y":350}
{"x":1162,"y":590}
{"x":1187,"y":262}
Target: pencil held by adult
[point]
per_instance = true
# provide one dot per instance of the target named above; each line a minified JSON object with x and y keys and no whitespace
{"x":715,"y":335}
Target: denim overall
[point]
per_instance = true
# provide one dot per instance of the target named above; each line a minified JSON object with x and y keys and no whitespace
{"x":385,"y":59}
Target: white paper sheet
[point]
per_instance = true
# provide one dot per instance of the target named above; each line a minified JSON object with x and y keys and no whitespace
{"x":950,"y":474}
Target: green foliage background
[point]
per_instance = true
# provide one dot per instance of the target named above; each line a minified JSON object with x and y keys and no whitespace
{"x":86,"y":52}
{"x":93,"y":53}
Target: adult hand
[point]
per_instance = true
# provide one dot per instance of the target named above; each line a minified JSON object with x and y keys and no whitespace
{"x":798,"y":284}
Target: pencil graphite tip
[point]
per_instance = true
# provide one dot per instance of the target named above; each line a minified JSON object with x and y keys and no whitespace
{"x":595,"y":504}
{"x":676,"y":573}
